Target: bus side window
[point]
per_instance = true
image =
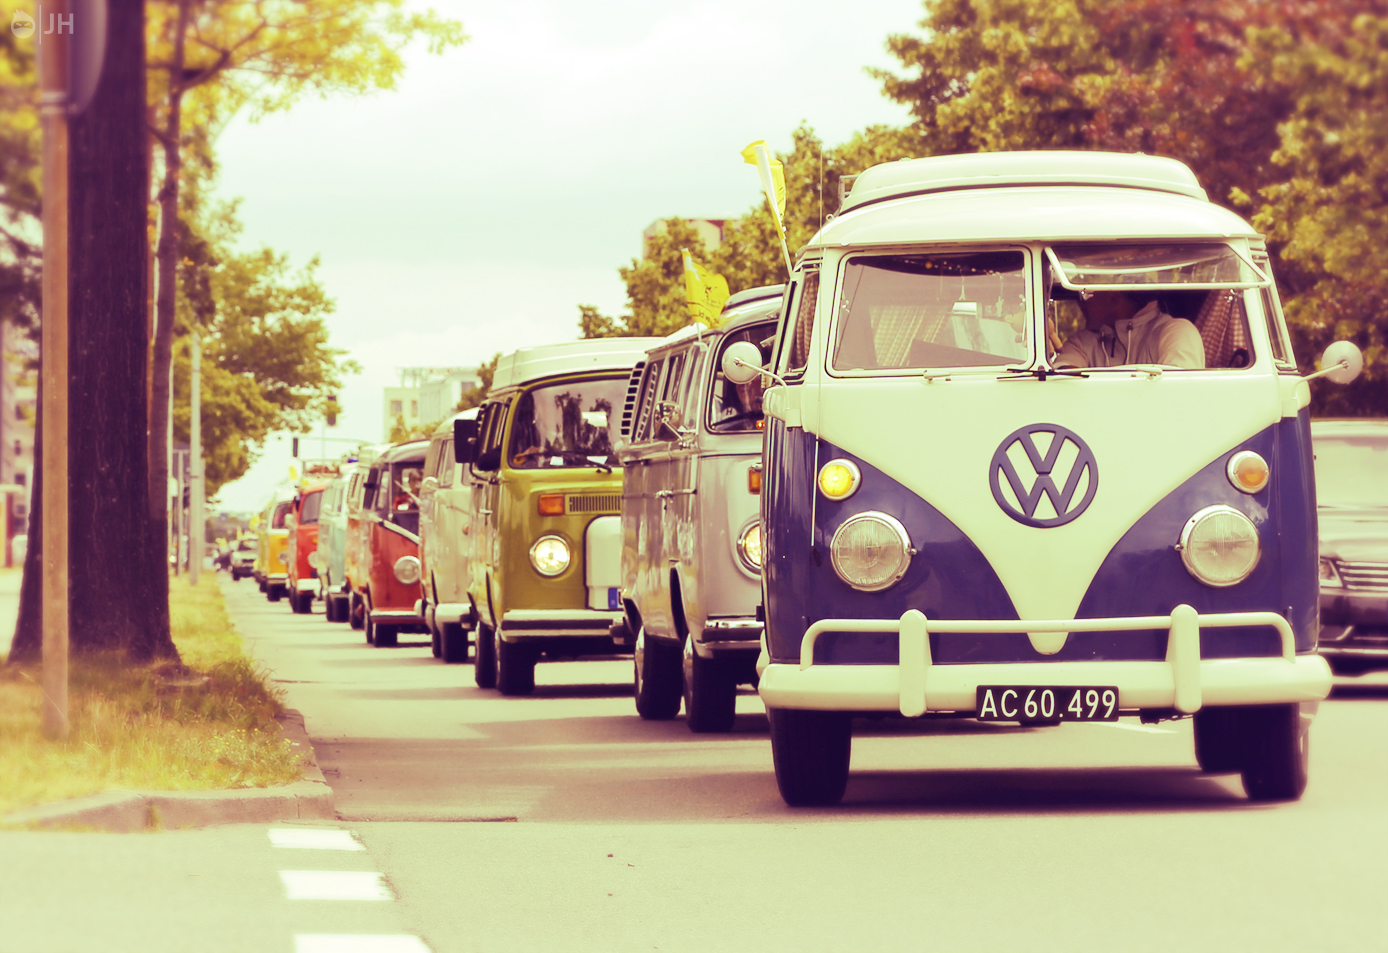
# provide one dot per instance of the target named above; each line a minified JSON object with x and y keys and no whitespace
{"x":641,"y":429}
{"x":795,"y":343}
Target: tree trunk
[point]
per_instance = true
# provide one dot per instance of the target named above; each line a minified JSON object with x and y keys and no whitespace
{"x":119,"y":576}
{"x":27,"y":646}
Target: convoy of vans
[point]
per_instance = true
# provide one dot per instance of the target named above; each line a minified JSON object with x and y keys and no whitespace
{"x":1022,"y":440}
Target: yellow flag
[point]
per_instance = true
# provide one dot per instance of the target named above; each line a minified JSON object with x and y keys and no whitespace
{"x":705,"y":291}
{"x":778,"y":174}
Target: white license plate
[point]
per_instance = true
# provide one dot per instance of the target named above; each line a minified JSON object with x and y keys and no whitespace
{"x":1046,"y":703}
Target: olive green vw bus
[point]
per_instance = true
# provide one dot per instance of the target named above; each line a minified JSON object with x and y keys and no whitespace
{"x":544,"y":546}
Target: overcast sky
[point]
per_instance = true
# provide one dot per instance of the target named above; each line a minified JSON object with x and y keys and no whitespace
{"x":472,"y":209}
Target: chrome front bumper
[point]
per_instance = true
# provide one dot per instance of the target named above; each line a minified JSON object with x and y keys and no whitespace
{"x":1183,"y":682}
{"x":553,"y":623}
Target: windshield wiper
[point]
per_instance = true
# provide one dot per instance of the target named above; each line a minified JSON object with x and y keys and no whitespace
{"x":1040,"y":373}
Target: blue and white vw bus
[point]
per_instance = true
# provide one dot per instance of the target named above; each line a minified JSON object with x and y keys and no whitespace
{"x":1039,"y":452}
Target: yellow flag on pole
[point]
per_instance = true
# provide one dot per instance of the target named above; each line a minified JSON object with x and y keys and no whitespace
{"x":778,"y":175}
{"x":705,"y":291}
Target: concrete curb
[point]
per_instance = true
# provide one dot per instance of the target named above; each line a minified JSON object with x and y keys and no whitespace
{"x":125,"y":811}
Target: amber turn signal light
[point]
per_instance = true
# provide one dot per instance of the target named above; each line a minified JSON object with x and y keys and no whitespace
{"x":1248,"y":471}
{"x":838,"y":479}
{"x":754,"y":478}
{"x":552,"y":504}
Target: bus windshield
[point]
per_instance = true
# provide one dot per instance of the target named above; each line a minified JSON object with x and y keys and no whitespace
{"x":572,"y":424}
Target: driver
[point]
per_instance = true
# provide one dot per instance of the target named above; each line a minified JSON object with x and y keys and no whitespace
{"x":1120,"y":329}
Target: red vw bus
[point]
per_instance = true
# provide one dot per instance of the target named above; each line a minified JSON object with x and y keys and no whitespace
{"x":303,"y":547}
{"x":386,"y":600}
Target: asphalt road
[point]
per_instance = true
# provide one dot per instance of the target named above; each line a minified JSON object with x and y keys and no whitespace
{"x":564,"y":822}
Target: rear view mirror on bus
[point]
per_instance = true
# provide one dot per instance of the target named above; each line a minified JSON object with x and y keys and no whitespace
{"x":741,"y":362}
{"x":1342,"y":362}
{"x":464,"y":440}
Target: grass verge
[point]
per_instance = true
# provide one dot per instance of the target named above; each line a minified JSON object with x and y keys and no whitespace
{"x":209,"y":723}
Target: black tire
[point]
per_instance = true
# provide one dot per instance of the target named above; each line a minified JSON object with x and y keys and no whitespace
{"x":264,"y":586}
{"x":1219,"y":739}
{"x":1347,"y":667}
{"x":484,"y":659}
{"x":710,"y":695}
{"x":368,"y":628}
{"x":387,"y":636}
{"x":302,"y":603}
{"x":1278,"y":752}
{"x":515,"y":668}
{"x":657,"y":678}
{"x":811,"y":751}
{"x":274,"y":592}
{"x":338,"y":608}
{"x":356,"y":612}
{"x":435,"y":642}
{"x":452,"y":642}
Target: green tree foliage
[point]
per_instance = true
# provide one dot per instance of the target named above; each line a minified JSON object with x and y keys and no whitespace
{"x":474,"y":397}
{"x":655,"y":287}
{"x":20,"y":251}
{"x":266,"y":362}
{"x":1330,"y":217}
{"x":1267,"y":100}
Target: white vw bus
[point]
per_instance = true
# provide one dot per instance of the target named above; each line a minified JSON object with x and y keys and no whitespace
{"x":962,"y":517}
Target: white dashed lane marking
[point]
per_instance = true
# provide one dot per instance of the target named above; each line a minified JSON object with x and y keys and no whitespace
{"x":1147,"y":728}
{"x":335,"y":885}
{"x":314,"y":839}
{"x":358,"y":943}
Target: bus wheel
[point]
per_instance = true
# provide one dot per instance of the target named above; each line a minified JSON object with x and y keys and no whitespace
{"x":811,"y":750}
{"x":656,"y":678}
{"x":301,"y":603}
{"x":356,"y":612}
{"x":710,"y":695}
{"x":386,"y":636}
{"x":452,"y":642}
{"x":1277,"y":753}
{"x":484,"y":658}
{"x":274,"y":592}
{"x":515,"y":668}
{"x":1219,"y":739}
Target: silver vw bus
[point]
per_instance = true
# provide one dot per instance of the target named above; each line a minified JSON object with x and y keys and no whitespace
{"x":691,"y":534}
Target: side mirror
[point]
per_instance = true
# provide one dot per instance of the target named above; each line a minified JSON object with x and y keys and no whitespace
{"x":741,"y":362}
{"x":1342,"y":362}
{"x":464,"y":440}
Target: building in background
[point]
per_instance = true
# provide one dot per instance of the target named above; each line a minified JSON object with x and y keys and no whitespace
{"x":18,"y":403}
{"x":426,"y":396}
{"x":709,"y":229}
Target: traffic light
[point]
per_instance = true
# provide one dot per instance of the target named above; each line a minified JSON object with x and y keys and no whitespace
{"x":330,"y":411}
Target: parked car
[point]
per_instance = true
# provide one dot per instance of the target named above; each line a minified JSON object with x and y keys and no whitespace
{"x":1352,"y":504}
{"x":445,"y":517}
{"x":243,"y":556}
{"x":302,"y":583}
{"x":545,"y":554}
{"x":332,"y":542}
{"x":691,"y":530}
{"x":389,"y":594}
{"x":272,"y":561}
{"x":956,"y":522}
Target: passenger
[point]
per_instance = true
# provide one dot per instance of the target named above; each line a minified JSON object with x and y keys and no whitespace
{"x":1121,"y":331}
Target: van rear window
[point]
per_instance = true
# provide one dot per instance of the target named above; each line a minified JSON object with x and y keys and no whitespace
{"x":925,"y":311}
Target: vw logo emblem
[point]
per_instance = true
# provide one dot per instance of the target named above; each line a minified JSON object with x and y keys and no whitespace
{"x":1025,"y":470}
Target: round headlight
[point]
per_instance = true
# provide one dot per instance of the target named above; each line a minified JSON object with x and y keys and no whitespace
{"x":1247,"y":471}
{"x":282,"y":558}
{"x":838,"y":479}
{"x":549,"y":555}
{"x":407,"y":570}
{"x":749,"y":547}
{"x":1219,"y":546}
{"x":871,"y":551}
{"x":313,"y":559}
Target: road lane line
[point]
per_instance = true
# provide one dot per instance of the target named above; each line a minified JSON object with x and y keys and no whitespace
{"x":335,"y":885}
{"x":358,"y":943}
{"x":313,"y":839}
{"x":1147,"y":728}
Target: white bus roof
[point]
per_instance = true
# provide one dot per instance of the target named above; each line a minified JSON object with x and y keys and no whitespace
{"x":575,"y":357}
{"x":991,"y":170}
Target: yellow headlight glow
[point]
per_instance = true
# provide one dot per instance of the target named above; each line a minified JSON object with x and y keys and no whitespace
{"x":838,"y":479}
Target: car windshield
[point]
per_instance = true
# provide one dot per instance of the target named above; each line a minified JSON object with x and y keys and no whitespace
{"x":929,"y":311}
{"x":280,"y":512}
{"x":567,"y":425}
{"x":1350,"y":470}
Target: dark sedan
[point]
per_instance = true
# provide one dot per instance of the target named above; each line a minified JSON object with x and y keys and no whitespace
{"x":1352,"y":501}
